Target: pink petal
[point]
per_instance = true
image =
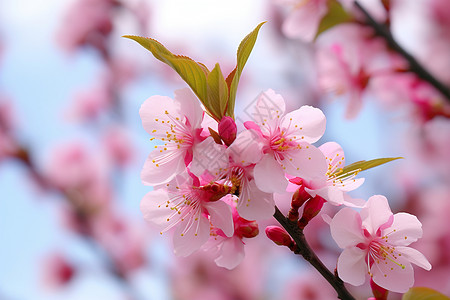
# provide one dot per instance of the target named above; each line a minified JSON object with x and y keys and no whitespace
{"x":208,"y":156}
{"x":163,"y":165}
{"x":247,"y":148}
{"x":392,"y":276}
{"x":189,"y":106}
{"x":190,"y":237}
{"x":376,"y":213}
{"x":254,"y":204}
{"x":268,"y":107}
{"x":405,"y":229}
{"x":153,"y":207}
{"x":414,"y":256}
{"x":269,"y":175}
{"x":346,"y":228}
{"x":351,"y":266}
{"x":308,"y":162}
{"x":231,"y":253}
{"x":221,"y":216}
{"x":304,"y":21}
{"x":153,"y":113}
{"x":352,"y":184}
{"x":307,"y":122}
{"x":332,"y":194}
{"x":333,"y":150}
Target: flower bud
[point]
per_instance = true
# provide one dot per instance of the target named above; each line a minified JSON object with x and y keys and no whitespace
{"x":279,"y":236}
{"x":227,"y":130}
{"x":312,"y":208}
{"x":247,"y":229}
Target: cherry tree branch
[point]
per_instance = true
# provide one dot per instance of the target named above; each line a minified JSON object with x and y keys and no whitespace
{"x":308,"y":254}
{"x":414,"y":65}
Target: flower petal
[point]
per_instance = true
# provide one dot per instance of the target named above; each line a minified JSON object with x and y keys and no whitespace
{"x":154,"y":117}
{"x":269,"y":175}
{"x":405,"y":229}
{"x":221,"y":216}
{"x":189,"y":106}
{"x":414,"y":256}
{"x":189,"y":238}
{"x":255,"y":204}
{"x":346,"y":228}
{"x":247,"y":148}
{"x":351,"y":266}
{"x":306,"y":162}
{"x":309,"y":123}
{"x":392,"y":276}
{"x":231,"y":253}
{"x":268,"y":107}
{"x":208,"y":156}
{"x":376,"y":213}
{"x":163,"y":164}
{"x":153,"y":207}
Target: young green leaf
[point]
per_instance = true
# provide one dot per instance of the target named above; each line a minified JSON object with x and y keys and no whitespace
{"x":336,"y":15}
{"x":193,"y":73}
{"x":362,"y":165}
{"x":217,"y":92}
{"x":243,"y":52}
{"x":423,"y":293}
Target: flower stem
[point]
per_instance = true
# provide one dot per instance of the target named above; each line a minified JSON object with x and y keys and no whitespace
{"x":414,"y":65}
{"x":308,"y":254}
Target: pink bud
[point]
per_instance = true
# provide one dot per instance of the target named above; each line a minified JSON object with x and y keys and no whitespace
{"x":227,"y":130}
{"x":379,"y":292}
{"x":247,"y":229}
{"x":312,"y":208}
{"x":279,"y":236}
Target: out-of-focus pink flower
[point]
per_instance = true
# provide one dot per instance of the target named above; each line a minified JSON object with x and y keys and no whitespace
{"x":374,"y":7}
{"x":57,"y":271}
{"x":118,"y":146}
{"x":8,"y":146}
{"x":348,"y":57}
{"x":88,"y":22}
{"x":178,"y":124}
{"x":375,"y":241}
{"x":81,"y":176}
{"x":286,"y":139}
{"x":189,"y":207}
{"x":304,"y":18}
{"x":89,"y":105}
{"x":123,"y":240}
{"x":308,"y":287}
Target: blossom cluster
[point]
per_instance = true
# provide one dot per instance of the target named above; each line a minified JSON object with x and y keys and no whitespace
{"x":213,"y":183}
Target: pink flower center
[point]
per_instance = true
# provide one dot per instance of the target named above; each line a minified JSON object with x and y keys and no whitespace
{"x":381,"y":252}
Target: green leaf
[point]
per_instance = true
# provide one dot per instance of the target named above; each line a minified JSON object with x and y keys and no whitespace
{"x":423,"y":293}
{"x":193,"y":73}
{"x":362,"y":165}
{"x":217,"y":92}
{"x":243,"y":52}
{"x":336,"y":15}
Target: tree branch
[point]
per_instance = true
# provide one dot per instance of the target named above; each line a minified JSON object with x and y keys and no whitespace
{"x":308,"y":254}
{"x":414,"y":65}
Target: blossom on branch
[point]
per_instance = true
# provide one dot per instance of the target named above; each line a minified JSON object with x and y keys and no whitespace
{"x":375,"y":242}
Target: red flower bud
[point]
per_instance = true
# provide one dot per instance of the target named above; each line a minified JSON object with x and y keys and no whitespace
{"x":227,"y":130}
{"x":312,"y":208}
{"x":279,"y":236}
{"x":247,"y":229}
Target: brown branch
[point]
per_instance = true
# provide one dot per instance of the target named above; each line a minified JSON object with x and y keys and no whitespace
{"x":414,"y":65}
{"x":308,"y":254}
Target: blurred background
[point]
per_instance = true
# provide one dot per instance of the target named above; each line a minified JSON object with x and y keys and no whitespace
{"x":72,"y":145}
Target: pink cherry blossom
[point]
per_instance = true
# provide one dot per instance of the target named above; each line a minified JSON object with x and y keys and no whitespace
{"x":229,"y":250}
{"x":375,"y":242}
{"x":304,"y":18}
{"x":191,"y":208}
{"x":178,"y":124}
{"x":348,"y":57}
{"x":333,"y":185}
{"x":286,"y":139}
